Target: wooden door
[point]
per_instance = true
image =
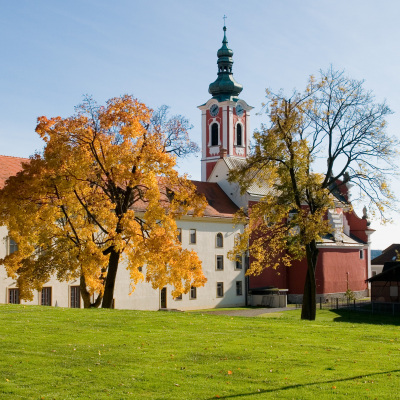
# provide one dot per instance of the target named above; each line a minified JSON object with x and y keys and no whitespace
{"x":163,"y":297}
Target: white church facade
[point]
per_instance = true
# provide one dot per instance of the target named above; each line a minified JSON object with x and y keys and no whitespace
{"x":211,"y":237}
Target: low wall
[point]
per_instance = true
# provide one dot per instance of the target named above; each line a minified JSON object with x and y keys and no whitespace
{"x":269,"y":300}
{"x":298,"y":298}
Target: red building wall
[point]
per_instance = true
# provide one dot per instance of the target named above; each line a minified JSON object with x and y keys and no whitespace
{"x":270,"y":277}
{"x":335,"y":269}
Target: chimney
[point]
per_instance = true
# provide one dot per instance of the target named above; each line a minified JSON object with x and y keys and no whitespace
{"x":223,"y":152}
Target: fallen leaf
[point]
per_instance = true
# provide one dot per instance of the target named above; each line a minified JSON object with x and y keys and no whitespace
{"x":229,"y":372}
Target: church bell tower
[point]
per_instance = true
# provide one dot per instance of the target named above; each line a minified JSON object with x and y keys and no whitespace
{"x":225,"y":119}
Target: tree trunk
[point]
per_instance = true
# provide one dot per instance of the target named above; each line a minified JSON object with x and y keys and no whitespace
{"x":110,"y":279}
{"x":86,"y":295}
{"x":309,"y":307}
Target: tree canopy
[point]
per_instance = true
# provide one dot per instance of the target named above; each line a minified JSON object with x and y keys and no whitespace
{"x":336,"y":121}
{"x":105,"y":188}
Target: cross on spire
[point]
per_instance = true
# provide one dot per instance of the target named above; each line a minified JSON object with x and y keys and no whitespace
{"x":224,"y":18}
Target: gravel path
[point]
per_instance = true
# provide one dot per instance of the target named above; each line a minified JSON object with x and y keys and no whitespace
{"x":251,"y":312}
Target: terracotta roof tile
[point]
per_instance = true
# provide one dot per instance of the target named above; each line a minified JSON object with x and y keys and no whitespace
{"x":10,"y":166}
{"x":218,"y":203}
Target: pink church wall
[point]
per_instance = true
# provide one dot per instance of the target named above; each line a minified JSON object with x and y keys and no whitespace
{"x":334,"y":267}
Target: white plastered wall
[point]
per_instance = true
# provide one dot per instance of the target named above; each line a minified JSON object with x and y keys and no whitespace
{"x":145,"y":297}
{"x":232,"y":190}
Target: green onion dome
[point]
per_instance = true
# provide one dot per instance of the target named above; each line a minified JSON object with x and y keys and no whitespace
{"x":225,"y":87}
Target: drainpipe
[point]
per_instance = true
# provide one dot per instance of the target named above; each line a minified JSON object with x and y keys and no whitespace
{"x":246,"y":278}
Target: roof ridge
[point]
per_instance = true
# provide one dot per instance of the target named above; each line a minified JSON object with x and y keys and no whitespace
{"x":21,"y":158}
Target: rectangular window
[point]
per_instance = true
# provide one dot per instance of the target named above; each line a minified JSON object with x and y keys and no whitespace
{"x":13,"y":296}
{"x":46,"y":296}
{"x":192,"y":236}
{"x":179,"y":237}
{"x":179,"y":297}
{"x":75,"y":297}
{"x":220,"y":263}
{"x":394,"y":291}
{"x":361,"y":254}
{"x":238,"y":262}
{"x":220,"y":289}
{"x":12,"y":246}
{"x":239,"y":288}
{"x":193,"y":293}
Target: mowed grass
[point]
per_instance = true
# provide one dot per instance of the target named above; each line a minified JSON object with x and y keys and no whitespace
{"x":56,"y":353}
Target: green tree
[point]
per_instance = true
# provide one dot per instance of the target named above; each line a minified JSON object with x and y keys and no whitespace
{"x":335,"y":119}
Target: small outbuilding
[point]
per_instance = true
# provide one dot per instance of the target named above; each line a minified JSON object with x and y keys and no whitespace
{"x":387,"y":255}
{"x":385,"y":286}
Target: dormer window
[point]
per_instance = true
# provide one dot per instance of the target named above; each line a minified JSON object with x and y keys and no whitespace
{"x":170,"y":195}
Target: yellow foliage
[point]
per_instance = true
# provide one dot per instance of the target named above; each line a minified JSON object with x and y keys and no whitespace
{"x":100,"y":188}
{"x":292,"y":215}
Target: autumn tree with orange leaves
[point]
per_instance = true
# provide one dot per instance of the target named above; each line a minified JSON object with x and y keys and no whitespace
{"x":335,"y":120}
{"x":104,"y":190}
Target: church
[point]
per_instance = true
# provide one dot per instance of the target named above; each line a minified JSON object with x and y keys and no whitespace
{"x":344,"y":256}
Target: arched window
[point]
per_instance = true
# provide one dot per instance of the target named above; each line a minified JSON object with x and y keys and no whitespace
{"x":239,"y":139}
{"x":214,"y":134}
{"x":219,"y":240}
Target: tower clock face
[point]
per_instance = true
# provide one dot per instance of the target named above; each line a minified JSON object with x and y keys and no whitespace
{"x":239,"y":110}
{"x":214,"y":110}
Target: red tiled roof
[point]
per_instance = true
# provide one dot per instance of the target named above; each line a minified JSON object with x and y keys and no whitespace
{"x":218,"y":203}
{"x":389,"y":254}
{"x":10,"y":166}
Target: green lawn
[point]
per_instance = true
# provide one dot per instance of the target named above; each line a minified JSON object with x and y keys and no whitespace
{"x":56,"y":353}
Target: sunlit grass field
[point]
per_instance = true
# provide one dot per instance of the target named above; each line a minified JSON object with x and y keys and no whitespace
{"x":56,"y":353}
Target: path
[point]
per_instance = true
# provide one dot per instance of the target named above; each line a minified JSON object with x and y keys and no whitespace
{"x":251,"y":312}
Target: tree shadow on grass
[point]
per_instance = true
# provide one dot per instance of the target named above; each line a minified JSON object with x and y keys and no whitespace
{"x":366,"y":317}
{"x":262,"y":392}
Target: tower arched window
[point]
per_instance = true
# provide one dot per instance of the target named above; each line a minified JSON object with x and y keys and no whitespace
{"x":214,"y":134}
{"x":219,"y":240}
{"x":239,"y":135}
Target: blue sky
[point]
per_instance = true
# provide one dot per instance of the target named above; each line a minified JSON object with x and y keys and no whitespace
{"x":164,"y":52}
